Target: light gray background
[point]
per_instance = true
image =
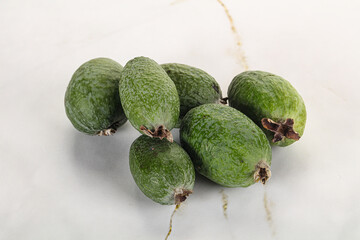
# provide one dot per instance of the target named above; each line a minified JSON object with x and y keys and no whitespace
{"x":56,"y":183}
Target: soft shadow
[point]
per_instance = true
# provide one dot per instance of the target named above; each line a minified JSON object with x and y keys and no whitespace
{"x":288,"y":162}
{"x":202,"y":181}
{"x":204,"y":188}
{"x":105,"y":159}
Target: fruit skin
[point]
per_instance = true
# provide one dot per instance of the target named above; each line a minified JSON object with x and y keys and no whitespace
{"x":261,"y":95}
{"x":148,"y":95}
{"x":195,"y":86}
{"x":161,"y":169}
{"x":224,"y":144}
{"x":92,"y":100}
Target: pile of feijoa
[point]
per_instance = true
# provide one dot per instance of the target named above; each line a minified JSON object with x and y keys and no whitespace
{"x":230,"y":145}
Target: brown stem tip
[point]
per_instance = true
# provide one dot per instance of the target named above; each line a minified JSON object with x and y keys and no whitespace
{"x":262,"y":172}
{"x":224,"y":101}
{"x":159,"y":132}
{"x":181,"y":195}
{"x":281,"y":129}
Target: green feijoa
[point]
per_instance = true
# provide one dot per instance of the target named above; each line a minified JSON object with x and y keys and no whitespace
{"x":226,"y":146}
{"x":149,"y":98}
{"x":92,"y":101}
{"x":162,"y":170}
{"x":272,"y":103}
{"x":195,"y":86}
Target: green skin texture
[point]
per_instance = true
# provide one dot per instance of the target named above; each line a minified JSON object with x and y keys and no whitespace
{"x":159,"y":168}
{"x":148,"y":95}
{"x":224,"y":144}
{"x":92,"y":100}
{"x":261,"y":94}
{"x":195,"y":86}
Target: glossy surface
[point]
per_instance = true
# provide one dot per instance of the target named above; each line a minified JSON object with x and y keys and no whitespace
{"x":148,"y":95}
{"x":161,"y":169}
{"x":92,"y":101}
{"x":261,"y":94}
{"x":224,"y":144}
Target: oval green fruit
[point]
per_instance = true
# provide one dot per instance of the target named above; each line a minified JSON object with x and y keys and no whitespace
{"x":92,"y":100}
{"x":149,"y":98}
{"x":226,"y":146}
{"x":162,"y":170}
{"x":195,"y":86}
{"x":272,"y":103}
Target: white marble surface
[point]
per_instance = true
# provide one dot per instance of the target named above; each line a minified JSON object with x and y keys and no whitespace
{"x":58,"y":184}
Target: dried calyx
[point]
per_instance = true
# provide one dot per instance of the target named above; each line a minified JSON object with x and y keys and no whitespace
{"x":181,"y":195}
{"x":106,"y":132}
{"x":281,"y":129}
{"x":262,"y":172}
{"x":159,"y":132}
{"x":110,"y":130}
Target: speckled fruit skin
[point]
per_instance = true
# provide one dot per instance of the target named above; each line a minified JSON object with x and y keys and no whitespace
{"x":92,"y":100}
{"x":159,"y":168}
{"x":224,"y":144}
{"x":148,"y":95}
{"x":195,"y":86}
{"x":261,"y":94}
